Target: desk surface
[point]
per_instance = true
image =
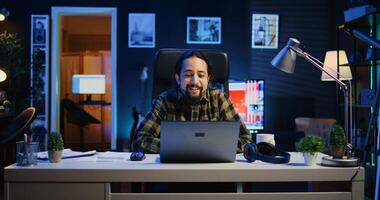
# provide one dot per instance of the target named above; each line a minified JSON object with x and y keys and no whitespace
{"x":98,"y":168}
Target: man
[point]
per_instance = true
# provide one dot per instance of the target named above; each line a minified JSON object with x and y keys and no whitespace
{"x":191,"y":100}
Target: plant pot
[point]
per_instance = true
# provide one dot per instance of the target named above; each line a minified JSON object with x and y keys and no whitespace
{"x":337,"y":151}
{"x":310,"y":159}
{"x":55,"y":156}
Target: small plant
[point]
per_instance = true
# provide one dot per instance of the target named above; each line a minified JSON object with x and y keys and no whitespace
{"x":55,"y":142}
{"x":310,"y":144}
{"x":337,"y":136}
{"x":337,"y":141}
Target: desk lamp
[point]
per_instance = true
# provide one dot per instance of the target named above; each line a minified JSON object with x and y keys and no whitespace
{"x":285,"y":61}
{"x":89,"y":84}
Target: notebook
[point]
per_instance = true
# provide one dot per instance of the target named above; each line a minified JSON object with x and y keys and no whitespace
{"x":198,"y":141}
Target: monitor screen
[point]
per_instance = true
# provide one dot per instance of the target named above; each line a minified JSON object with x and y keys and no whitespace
{"x":248,"y":99}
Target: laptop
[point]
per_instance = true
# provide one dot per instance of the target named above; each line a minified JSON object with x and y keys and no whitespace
{"x":198,"y":141}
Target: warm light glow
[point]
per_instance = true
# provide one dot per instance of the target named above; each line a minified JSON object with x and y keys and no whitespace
{"x":331,"y":65}
{"x":2,"y":17}
{"x":89,"y":84}
{"x":3,"y":76}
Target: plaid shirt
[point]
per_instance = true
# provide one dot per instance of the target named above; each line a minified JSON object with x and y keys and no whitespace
{"x":173,"y":106}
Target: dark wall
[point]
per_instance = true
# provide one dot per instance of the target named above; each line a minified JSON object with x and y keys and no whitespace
{"x":309,"y":21}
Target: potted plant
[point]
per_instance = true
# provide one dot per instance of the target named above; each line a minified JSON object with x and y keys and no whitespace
{"x":337,"y":141}
{"x":310,"y":146}
{"x":55,"y":147}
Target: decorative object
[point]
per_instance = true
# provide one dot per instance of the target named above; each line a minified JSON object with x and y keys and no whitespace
{"x":265,"y":31}
{"x":337,"y":141}
{"x":309,"y":146}
{"x":204,"y":30}
{"x":55,"y":147}
{"x":141,"y":30}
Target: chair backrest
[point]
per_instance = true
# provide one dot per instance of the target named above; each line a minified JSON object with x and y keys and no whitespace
{"x":18,"y":125}
{"x":315,"y":126}
{"x":163,"y":75}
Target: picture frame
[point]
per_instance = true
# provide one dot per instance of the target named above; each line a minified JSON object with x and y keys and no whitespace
{"x":265,"y":31}
{"x":204,"y":30}
{"x":141,"y":30}
{"x":39,"y":69}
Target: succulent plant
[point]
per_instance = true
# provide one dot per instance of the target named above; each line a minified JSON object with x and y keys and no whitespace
{"x":337,"y":141}
{"x":55,"y":142}
{"x":337,"y":136}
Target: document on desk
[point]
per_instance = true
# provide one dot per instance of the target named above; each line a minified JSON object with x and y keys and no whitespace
{"x":110,"y":156}
{"x":66,"y":153}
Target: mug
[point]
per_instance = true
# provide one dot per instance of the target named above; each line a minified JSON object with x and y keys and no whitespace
{"x":265,"y":137}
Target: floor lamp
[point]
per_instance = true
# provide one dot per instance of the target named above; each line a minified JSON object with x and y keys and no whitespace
{"x":285,"y":61}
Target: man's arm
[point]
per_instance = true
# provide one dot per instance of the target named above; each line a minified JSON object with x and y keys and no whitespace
{"x":148,"y":132}
{"x":228,"y":113}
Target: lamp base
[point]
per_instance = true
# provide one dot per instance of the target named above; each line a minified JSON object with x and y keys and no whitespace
{"x":336,"y":162}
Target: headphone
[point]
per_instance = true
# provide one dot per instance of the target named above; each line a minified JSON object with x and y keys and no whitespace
{"x":265,"y":152}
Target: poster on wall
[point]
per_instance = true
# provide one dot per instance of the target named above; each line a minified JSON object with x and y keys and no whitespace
{"x":204,"y":30}
{"x":39,"y":73}
{"x":265,"y":31}
{"x":141,"y":28}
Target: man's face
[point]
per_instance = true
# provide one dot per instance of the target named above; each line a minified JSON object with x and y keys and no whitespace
{"x":193,"y":78}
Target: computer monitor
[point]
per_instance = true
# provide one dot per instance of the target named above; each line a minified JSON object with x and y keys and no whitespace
{"x":247,"y":97}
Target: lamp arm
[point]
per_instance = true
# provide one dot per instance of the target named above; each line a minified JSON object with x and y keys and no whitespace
{"x":318,"y":64}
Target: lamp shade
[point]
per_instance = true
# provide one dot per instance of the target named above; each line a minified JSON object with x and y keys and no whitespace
{"x":88,"y":84}
{"x":285,"y":60}
{"x":331,"y":65}
{"x":3,"y":14}
{"x":3,"y":76}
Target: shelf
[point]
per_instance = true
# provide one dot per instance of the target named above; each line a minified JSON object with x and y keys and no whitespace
{"x":365,"y":21}
{"x":357,"y":106}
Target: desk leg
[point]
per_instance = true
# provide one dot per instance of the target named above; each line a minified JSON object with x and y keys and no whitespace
{"x":239,"y":187}
{"x":357,"y":190}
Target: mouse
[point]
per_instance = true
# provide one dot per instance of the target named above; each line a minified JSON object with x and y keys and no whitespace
{"x":137,"y":156}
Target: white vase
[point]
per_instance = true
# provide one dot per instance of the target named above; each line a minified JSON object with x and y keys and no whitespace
{"x":310,"y":159}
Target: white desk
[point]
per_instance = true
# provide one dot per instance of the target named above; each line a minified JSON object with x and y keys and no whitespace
{"x":88,"y":178}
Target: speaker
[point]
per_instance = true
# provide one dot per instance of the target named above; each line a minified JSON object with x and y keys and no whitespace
{"x":265,"y":152}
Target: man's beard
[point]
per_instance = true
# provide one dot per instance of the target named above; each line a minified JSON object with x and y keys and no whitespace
{"x":193,"y":99}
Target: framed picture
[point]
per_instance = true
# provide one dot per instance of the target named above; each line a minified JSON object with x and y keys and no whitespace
{"x":39,"y":70}
{"x":264,"y":31}
{"x":141,"y":30}
{"x":204,"y":30}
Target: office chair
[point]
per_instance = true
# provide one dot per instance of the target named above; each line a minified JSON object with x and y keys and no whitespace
{"x":163,"y":74}
{"x":76,"y":115}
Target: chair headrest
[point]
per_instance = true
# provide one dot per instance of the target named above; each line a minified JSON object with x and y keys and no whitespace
{"x":167,"y":58}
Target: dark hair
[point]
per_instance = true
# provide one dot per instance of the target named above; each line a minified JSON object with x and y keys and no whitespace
{"x":191,"y":53}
